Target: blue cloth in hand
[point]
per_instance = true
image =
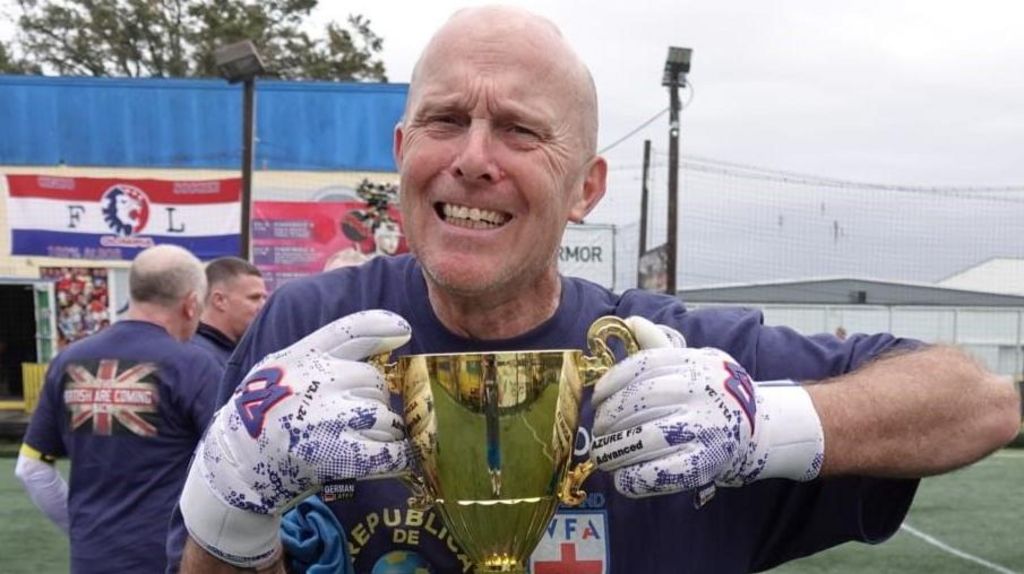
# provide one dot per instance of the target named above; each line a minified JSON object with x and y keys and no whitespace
{"x":314,"y":541}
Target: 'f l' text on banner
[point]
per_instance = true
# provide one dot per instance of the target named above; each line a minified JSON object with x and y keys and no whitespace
{"x":111,"y":219}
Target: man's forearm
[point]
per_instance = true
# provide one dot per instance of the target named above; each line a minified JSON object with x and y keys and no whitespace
{"x":914,"y":414}
{"x":45,"y":486}
{"x":195,"y":560}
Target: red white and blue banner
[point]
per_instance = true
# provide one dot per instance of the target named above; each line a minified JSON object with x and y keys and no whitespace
{"x":112,"y":219}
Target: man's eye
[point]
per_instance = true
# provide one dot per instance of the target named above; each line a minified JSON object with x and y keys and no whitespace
{"x":446,"y":120}
{"x":522,"y":131}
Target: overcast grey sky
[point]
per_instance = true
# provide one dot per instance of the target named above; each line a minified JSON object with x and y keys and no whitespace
{"x":896,"y":91}
{"x":912,"y":92}
{"x":893,"y":91}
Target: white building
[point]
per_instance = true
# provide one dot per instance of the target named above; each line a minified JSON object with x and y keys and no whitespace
{"x":997,"y":275}
{"x":988,"y":324}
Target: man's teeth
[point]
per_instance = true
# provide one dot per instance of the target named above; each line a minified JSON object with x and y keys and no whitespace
{"x":473,"y":216}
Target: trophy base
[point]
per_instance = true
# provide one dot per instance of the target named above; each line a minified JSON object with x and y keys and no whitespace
{"x":506,"y":569}
{"x":499,"y":534}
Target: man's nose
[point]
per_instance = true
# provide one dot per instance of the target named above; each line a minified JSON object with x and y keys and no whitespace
{"x":476,"y":161}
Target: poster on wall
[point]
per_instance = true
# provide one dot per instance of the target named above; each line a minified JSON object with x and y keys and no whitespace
{"x":588,"y":251}
{"x":82,"y":301}
{"x":114,"y":219}
{"x":293,"y":239}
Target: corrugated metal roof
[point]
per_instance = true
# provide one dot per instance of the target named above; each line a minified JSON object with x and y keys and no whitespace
{"x":997,"y":275}
{"x":196,"y":123}
{"x":845,"y":291}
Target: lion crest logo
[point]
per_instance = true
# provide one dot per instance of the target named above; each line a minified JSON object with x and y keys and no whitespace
{"x":125,"y":209}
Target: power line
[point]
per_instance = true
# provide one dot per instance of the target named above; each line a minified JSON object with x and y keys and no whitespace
{"x":967,"y":192}
{"x":689,"y":90}
{"x":632,"y":132}
{"x":691,"y":163}
{"x":797,"y":177}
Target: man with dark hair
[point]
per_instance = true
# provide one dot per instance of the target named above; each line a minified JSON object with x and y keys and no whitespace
{"x":127,"y":405}
{"x":235,"y":293}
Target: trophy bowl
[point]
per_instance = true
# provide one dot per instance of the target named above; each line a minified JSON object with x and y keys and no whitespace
{"x":492,"y":437}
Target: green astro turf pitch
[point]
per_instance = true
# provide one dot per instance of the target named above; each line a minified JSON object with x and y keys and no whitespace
{"x":978,"y":511}
{"x":29,"y":543}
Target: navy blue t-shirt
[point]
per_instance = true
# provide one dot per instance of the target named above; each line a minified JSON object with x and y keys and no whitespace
{"x":127,"y":406}
{"x":740,"y":530}
{"x":211,"y":340}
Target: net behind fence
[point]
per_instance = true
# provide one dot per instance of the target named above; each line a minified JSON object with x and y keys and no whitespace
{"x":741,"y":224}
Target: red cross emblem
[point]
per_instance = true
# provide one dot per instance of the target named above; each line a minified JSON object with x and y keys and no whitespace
{"x":106,"y":395}
{"x":567,"y":564}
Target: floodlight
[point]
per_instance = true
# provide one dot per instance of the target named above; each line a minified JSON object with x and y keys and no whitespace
{"x":239,"y":61}
{"x":677,"y":65}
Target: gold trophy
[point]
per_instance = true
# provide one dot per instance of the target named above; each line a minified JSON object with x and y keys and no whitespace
{"x":492,"y":437}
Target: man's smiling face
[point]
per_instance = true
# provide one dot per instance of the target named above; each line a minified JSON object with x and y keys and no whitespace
{"x":495,"y":154}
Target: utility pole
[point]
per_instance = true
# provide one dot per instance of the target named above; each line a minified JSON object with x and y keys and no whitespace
{"x":240,"y":62}
{"x":248,"y":119}
{"x":644,"y":193}
{"x":677,"y":65}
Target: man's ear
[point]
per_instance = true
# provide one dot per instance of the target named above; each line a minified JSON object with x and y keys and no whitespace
{"x":397,"y":144}
{"x":591,"y":191}
{"x":218,"y":300}
{"x":191,"y":307}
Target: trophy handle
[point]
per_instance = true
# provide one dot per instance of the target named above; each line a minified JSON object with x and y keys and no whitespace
{"x":420,"y":498}
{"x":601,"y":359}
{"x":571,"y":492}
{"x":389,"y":370}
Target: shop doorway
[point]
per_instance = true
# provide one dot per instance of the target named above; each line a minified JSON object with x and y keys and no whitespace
{"x":17,"y":336}
{"x":27,"y":336}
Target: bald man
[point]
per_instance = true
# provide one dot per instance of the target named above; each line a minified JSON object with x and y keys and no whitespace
{"x":497,"y":152}
{"x":127,"y":406}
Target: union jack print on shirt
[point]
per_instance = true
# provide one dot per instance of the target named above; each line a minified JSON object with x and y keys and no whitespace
{"x":103,"y":396}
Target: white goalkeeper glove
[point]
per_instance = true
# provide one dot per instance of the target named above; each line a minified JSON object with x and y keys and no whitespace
{"x":671,"y":419}
{"x":305,"y":416}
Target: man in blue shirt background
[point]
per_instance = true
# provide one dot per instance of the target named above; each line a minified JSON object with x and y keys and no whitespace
{"x":127,"y":406}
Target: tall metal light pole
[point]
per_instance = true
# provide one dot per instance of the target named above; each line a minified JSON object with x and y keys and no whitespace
{"x":677,"y":65}
{"x":644,"y":197}
{"x":240,"y":62}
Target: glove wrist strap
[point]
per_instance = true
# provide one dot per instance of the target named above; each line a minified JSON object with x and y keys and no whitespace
{"x":244,"y":539}
{"x":792,"y":437}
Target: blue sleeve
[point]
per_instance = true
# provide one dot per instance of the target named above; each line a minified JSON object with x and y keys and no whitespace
{"x":44,"y":430}
{"x":798,"y":519}
{"x":202,"y":403}
{"x":801,"y":519}
{"x":769,"y":352}
{"x":820,"y":513}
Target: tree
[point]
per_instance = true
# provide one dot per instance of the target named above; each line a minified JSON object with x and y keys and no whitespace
{"x":173,"y":38}
{"x":11,"y":64}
